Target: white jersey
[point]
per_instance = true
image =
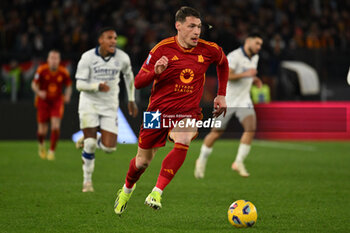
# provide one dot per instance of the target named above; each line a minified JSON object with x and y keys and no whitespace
{"x":238,"y":91}
{"x":94,"y":69}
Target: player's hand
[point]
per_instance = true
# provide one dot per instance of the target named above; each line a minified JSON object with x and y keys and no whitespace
{"x":257,"y":82}
{"x":133,"y":110}
{"x":161,"y":65}
{"x":251,"y":73}
{"x":41,"y":94}
{"x":219,"y":106}
{"x":103,"y":87}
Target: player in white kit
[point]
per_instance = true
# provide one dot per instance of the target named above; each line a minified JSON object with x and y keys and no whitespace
{"x":243,"y":63}
{"x":98,"y":82}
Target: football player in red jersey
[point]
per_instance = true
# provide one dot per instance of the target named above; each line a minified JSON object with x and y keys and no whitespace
{"x":177,"y":67}
{"x":48,"y":83}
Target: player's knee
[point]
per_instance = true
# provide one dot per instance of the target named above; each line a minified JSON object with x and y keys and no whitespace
{"x":107,"y":149}
{"x":141,"y":162}
{"x":90,"y":145}
{"x":143,"y":165}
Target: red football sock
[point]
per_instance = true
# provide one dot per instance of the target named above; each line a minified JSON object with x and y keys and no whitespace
{"x":133,"y":174}
{"x":41,"y":138}
{"x":55,"y":134}
{"x":171,"y":164}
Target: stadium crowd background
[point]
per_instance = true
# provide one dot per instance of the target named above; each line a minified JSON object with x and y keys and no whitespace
{"x":30,"y":28}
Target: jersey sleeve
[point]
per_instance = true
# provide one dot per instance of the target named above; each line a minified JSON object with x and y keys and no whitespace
{"x":83,"y":70}
{"x":215,"y":51}
{"x":146,"y":74}
{"x":222,"y":70}
{"x":219,"y":58}
{"x":151,"y":60}
{"x":128,"y":77}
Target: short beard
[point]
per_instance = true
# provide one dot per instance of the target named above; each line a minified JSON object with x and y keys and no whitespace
{"x":251,"y":52}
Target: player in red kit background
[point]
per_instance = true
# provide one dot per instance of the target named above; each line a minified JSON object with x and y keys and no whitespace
{"x":177,"y":67}
{"x":48,"y":84}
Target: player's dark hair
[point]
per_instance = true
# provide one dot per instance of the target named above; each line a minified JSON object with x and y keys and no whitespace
{"x":184,"y":12}
{"x":254,"y":35}
{"x":104,"y":29}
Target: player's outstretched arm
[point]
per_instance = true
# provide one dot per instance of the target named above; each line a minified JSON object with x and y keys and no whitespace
{"x":133,"y":109}
{"x":222,"y":70}
{"x":247,"y":74}
{"x":94,"y":87}
{"x":67,"y":94}
{"x":146,"y":77}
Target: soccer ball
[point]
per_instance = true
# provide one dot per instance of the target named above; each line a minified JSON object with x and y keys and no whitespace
{"x":242,"y":213}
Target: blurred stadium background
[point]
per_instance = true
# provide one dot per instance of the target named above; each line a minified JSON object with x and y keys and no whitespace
{"x":315,"y":33}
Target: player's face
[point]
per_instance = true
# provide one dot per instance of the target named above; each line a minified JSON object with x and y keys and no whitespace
{"x":108,"y":41}
{"x":255,"y":45}
{"x":189,"y":31}
{"x":53,"y":60}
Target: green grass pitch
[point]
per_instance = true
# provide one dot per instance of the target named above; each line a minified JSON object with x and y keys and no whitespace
{"x":296,"y":187}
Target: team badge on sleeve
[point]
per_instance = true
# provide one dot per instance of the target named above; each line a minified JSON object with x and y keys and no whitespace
{"x":148,"y":59}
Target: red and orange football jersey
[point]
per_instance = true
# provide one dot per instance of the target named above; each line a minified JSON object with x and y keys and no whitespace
{"x":178,"y":90}
{"x":52,"y":81}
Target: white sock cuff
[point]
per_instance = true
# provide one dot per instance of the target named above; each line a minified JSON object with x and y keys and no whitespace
{"x":127,"y":190}
{"x":206,"y":149}
{"x":242,"y":153}
{"x":205,"y":152}
{"x":157,"y":190}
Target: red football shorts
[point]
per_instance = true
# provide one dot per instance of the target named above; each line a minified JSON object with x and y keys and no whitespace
{"x":152,"y":138}
{"x":48,"y":109}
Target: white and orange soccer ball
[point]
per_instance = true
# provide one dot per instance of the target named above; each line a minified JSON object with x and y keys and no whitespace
{"x":242,"y":213}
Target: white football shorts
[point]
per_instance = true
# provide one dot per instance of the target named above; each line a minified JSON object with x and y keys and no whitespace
{"x":106,"y":120}
{"x":240,"y":113}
